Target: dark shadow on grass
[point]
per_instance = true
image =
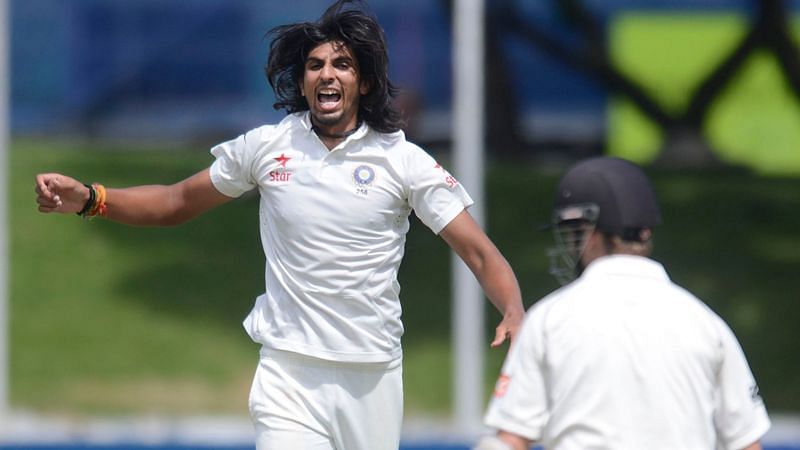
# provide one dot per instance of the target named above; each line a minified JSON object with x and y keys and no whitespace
{"x":730,"y":237}
{"x":210,"y":269}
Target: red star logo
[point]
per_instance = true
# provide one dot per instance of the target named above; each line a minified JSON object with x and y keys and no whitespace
{"x":283,"y":159}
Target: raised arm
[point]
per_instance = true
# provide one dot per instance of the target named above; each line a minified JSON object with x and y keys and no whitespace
{"x":151,"y":205}
{"x":491,"y":269}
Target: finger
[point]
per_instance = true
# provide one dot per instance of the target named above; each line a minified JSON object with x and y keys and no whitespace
{"x":47,"y":195}
{"x":41,"y":186}
{"x":42,"y":200}
{"x":500,"y":336}
{"x":48,"y":185}
{"x":46,"y":209}
{"x":55,"y":187}
{"x":47,"y":202}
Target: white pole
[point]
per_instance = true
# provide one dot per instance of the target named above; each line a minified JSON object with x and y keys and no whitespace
{"x":467,"y":138}
{"x":5,"y":75}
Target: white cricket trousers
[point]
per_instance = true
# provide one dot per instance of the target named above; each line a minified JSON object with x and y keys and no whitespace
{"x":302,"y":403}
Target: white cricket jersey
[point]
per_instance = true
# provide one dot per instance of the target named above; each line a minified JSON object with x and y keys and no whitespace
{"x":623,"y":358}
{"x":333,"y":226}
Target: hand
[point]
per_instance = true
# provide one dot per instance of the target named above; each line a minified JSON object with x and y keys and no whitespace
{"x":509,"y":327}
{"x":60,"y":193}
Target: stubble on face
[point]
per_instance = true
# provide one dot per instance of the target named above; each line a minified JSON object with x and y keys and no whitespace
{"x":332,"y":86}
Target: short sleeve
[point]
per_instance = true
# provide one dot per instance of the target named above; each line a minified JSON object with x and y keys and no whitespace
{"x":435,"y":195}
{"x":740,"y":415}
{"x":231,"y":171}
{"x":519,"y":401}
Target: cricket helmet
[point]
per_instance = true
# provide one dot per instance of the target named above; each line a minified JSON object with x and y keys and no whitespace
{"x":609,"y":194}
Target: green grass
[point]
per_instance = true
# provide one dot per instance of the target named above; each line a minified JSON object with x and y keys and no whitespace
{"x":670,"y":54}
{"x":96,"y":304}
{"x":109,"y":319}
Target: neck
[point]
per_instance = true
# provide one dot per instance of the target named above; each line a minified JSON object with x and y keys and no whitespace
{"x":322,"y":133}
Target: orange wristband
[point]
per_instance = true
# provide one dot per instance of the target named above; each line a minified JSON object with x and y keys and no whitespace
{"x":99,"y":207}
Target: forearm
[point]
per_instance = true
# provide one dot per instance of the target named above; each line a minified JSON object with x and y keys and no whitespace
{"x":501,"y":287}
{"x":151,"y":205}
{"x":491,"y":270}
{"x":499,"y":283}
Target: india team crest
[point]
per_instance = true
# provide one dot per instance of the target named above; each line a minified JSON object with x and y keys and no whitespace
{"x":364,"y":175}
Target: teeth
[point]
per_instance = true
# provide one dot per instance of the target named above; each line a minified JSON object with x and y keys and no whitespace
{"x":329,"y":96}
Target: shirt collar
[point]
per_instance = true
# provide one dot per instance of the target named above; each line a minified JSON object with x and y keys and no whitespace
{"x":305,"y":120}
{"x":627,"y":265}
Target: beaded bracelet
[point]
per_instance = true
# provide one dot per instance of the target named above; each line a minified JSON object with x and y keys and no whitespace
{"x":100,"y":204}
{"x":96,"y":204}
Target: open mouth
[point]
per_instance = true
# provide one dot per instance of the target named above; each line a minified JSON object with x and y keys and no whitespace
{"x":328,"y":98}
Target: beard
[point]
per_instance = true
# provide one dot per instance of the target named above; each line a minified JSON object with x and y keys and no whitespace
{"x":327,"y":119}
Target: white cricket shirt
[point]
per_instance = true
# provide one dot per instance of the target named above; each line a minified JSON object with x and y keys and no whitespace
{"x":622,"y":358}
{"x":333,"y":226}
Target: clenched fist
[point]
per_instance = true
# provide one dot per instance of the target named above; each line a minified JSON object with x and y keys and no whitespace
{"x":60,"y":193}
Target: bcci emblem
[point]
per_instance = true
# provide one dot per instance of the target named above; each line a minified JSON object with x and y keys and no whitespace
{"x":363,"y":176}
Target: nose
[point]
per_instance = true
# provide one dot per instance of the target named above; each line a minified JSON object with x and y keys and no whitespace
{"x":326,"y":73}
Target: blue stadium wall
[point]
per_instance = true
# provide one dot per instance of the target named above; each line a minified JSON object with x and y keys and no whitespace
{"x":154,"y":68}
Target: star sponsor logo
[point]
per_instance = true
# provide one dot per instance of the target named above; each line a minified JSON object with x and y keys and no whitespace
{"x":282,"y":160}
{"x":364,"y":177}
{"x":281,"y":174}
{"x":449,"y":179}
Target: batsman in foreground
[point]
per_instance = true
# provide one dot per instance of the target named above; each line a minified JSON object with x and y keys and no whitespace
{"x":337,"y":182}
{"x":621,"y":357}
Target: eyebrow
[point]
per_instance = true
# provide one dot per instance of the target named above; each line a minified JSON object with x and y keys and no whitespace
{"x":340,"y":58}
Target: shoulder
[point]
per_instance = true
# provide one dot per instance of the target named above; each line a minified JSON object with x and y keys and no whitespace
{"x":402,"y":151}
{"x":259,"y":139}
{"x":403,"y":155}
{"x":392,"y":142}
{"x":693,"y":307}
{"x":541,"y":320}
{"x":543,"y":309}
{"x":568,"y":306}
{"x":268,"y":132}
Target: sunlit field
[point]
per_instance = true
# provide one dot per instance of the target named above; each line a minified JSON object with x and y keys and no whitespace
{"x":110,"y":319}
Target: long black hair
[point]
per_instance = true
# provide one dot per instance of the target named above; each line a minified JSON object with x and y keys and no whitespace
{"x":359,"y":32}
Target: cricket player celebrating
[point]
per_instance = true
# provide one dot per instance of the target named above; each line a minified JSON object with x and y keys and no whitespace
{"x":337,"y":181}
{"x":620,"y":358}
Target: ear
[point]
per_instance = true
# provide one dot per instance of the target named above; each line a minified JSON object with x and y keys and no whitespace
{"x":594,"y":247}
{"x":364,"y":87}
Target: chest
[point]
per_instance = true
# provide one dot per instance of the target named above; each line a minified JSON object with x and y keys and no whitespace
{"x":349,"y":191}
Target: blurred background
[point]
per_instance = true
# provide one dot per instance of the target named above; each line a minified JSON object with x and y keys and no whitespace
{"x":113,"y":322}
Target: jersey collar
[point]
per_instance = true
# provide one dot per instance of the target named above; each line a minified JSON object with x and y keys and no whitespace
{"x":305,"y":119}
{"x":627,"y":265}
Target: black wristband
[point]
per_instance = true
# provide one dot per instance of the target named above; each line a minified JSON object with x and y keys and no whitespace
{"x":89,"y":203}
